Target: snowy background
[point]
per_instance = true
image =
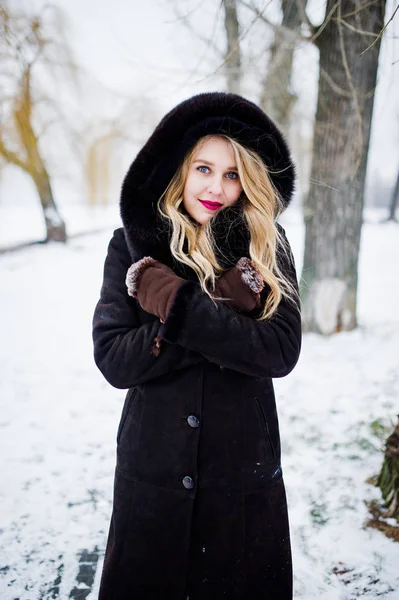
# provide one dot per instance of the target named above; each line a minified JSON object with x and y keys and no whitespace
{"x":59,"y":417}
{"x":58,"y":422}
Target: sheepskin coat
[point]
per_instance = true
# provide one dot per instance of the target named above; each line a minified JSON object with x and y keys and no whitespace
{"x":199,"y":507}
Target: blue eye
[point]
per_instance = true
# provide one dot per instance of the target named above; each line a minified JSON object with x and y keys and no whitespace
{"x":206,"y":169}
{"x":232,"y":175}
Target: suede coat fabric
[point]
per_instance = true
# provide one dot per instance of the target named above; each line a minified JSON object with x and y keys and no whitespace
{"x":199,"y":507}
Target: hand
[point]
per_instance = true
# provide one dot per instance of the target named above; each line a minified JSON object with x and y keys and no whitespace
{"x":241,"y":285}
{"x":154,"y":285}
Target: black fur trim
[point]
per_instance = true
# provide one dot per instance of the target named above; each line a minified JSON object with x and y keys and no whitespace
{"x":216,"y":112}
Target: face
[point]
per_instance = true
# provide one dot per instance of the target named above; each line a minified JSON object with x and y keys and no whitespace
{"x":212,"y":182}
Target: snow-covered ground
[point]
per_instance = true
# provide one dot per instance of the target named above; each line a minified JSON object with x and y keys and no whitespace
{"x":24,"y":223}
{"x":58,"y":421}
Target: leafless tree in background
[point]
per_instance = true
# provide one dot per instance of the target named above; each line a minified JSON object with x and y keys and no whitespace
{"x":233,"y":51}
{"x":109,"y":145}
{"x":225,"y":56}
{"x":349,"y":44}
{"x":348,"y":41}
{"x":271,"y":63}
{"x":32,"y":47}
{"x":394,"y":201}
{"x":277,"y":96}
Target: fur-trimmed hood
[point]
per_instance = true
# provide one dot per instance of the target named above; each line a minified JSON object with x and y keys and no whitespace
{"x":145,"y":231}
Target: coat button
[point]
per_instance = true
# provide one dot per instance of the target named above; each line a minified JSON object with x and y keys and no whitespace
{"x":193,"y":421}
{"x":188,"y":482}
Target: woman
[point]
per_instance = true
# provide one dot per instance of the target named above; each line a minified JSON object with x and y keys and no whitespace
{"x":199,"y":310}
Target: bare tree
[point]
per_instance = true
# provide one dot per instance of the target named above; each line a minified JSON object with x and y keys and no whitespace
{"x":394,"y":201}
{"x":233,"y":54}
{"x":277,"y":97}
{"x":109,"y":145}
{"x":222,"y":39}
{"x":349,"y":43}
{"x":31,"y":45}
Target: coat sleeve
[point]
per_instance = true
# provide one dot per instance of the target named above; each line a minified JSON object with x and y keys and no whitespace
{"x":268,"y":348}
{"x":122,"y":344}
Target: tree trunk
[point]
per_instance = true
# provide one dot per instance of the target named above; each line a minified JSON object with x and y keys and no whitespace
{"x":55,"y":226}
{"x":394,"y":201}
{"x":277,"y":98}
{"x":334,"y":206}
{"x":388,"y":479}
{"x":33,"y":163}
{"x":233,"y":55}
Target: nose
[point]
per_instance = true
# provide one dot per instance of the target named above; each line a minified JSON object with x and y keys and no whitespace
{"x":215,"y":186}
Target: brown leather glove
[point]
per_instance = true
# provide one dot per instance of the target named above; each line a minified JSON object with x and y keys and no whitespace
{"x":241,"y":285}
{"x":154,"y":285}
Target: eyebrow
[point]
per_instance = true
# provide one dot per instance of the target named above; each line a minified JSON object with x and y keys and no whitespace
{"x":206,"y":162}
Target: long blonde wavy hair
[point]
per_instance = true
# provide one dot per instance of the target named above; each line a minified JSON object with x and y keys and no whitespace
{"x":261,"y":207}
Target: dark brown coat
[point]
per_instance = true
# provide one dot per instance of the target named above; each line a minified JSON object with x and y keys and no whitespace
{"x":199,"y":503}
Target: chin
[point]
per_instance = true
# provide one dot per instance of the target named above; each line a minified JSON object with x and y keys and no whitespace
{"x":200,"y":217}
{"x":203,"y":219}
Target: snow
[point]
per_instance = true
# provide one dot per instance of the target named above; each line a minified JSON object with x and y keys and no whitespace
{"x":58,"y":422}
{"x":24,"y":223}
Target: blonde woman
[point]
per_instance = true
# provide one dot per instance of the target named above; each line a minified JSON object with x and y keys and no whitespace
{"x":199,"y":310}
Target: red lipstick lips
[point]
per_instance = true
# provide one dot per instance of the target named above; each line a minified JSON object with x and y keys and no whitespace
{"x":211,"y":205}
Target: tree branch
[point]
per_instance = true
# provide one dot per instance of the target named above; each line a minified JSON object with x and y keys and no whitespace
{"x":208,"y":42}
{"x":358,"y":10}
{"x":356,"y":30}
{"x":290,"y":35}
{"x":337,"y":89}
{"x":304,"y":16}
{"x":381,"y":32}
{"x":242,"y":37}
{"x":325,"y":22}
{"x":11,"y":157}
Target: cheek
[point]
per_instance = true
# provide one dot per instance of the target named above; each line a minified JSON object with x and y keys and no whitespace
{"x":188,"y":185}
{"x":193,"y":185}
{"x":186,"y":191}
{"x":234,"y":193}
{"x":189,"y":194}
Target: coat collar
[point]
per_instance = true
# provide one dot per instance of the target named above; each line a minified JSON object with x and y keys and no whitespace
{"x":147,"y":234}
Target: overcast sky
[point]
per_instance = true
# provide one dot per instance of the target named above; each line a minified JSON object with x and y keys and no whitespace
{"x":141,"y":49}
